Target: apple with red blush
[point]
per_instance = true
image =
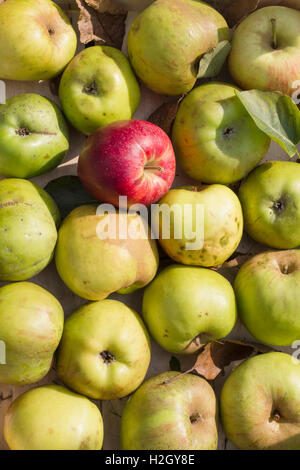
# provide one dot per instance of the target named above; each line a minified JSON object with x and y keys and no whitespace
{"x":127,"y":158}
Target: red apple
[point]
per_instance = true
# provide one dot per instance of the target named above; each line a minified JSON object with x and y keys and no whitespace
{"x":127,"y":158}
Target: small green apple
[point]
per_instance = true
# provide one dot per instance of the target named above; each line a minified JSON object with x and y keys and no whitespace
{"x":222,"y":224}
{"x":270,"y":198}
{"x":94,"y":267}
{"x":166,"y":40}
{"x":38,"y":37}
{"x":267,"y":289}
{"x":97,"y":88}
{"x":28,"y":226}
{"x":260,"y":405}
{"x":186,"y":307}
{"x":33,"y":136}
{"x":31,"y":325}
{"x":215,"y":139}
{"x":53,"y":418}
{"x":265,"y":52}
{"x":105,"y":350}
{"x":180,"y":415}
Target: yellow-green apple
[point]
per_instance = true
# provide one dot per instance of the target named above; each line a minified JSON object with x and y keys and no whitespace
{"x":267,"y":290}
{"x":260,"y":405}
{"x":39,"y":39}
{"x":167,"y":39}
{"x":265,"y":52}
{"x":270,"y":197}
{"x":53,"y":418}
{"x":215,"y":139}
{"x":127,"y":158}
{"x":31,"y":325}
{"x":28,"y":225}
{"x":33,"y":136}
{"x":186,"y":307}
{"x":206,"y":224}
{"x":97,"y":255}
{"x":105,"y":350}
{"x":98,"y":87}
{"x":180,"y":415}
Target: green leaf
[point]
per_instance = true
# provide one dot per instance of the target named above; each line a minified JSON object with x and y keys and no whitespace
{"x":212,"y":62}
{"x":276,"y":115}
{"x":175,"y":364}
{"x":68,"y":193}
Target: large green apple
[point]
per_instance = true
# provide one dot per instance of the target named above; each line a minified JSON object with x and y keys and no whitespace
{"x":186,"y":307}
{"x":28,"y":226}
{"x":215,"y":139}
{"x":53,"y":418}
{"x":260,"y":404}
{"x":267,"y":289}
{"x":180,"y":415}
{"x":105,"y":350}
{"x":33,"y":136}
{"x":215,"y":209}
{"x":270,"y":197}
{"x":97,"y":88}
{"x":95,"y":266}
{"x":265,"y":50}
{"x":166,"y":41}
{"x":31,"y":324}
{"x":37,"y":39}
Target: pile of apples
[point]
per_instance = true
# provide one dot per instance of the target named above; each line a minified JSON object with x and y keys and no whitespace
{"x":103,"y":348}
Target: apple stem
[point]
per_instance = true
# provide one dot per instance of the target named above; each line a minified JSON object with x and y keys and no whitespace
{"x":274,"y":32}
{"x":158,"y":168}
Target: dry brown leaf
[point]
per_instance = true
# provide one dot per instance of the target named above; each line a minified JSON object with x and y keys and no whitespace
{"x":234,"y":10}
{"x":284,"y":3}
{"x":164,"y":116}
{"x":102,"y":22}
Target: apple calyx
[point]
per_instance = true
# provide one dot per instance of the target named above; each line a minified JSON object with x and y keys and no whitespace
{"x":22,"y":131}
{"x":274,"y":33}
{"x":195,"y":418}
{"x":279,"y":206}
{"x":275,"y":416}
{"x":91,"y":88}
{"x":107,"y":357}
{"x":228,"y":132}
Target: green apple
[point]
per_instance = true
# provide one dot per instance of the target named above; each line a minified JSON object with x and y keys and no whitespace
{"x":105,"y":350}
{"x":38,"y":37}
{"x":270,"y":198}
{"x":180,"y":415}
{"x":260,"y":407}
{"x":93,"y":266}
{"x":215,"y":139}
{"x":186,"y":307}
{"x":33,"y":136}
{"x":97,"y":88}
{"x":265,"y":52}
{"x":267,"y":289}
{"x":31,"y":325}
{"x":28,"y":226}
{"x":215,"y":209}
{"x":167,"y":39}
{"x":53,"y":418}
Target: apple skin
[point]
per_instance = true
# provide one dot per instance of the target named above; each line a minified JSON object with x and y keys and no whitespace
{"x":254,"y":63}
{"x":53,"y":418}
{"x":215,"y":139}
{"x":270,"y":198}
{"x":29,"y":219}
{"x":166,"y":40}
{"x":267,"y":289}
{"x":186,"y":307}
{"x":97,"y":88}
{"x":127,"y":158}
{"x":31,"y":325}
{"x":223,"y":224}
{"x":159,"y":416}
{"x":33,"y":136}
{"x":105,"y":350}
{"x":260,"y":406}
{"x":94,"y":268}
{"x":39,"y":40}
